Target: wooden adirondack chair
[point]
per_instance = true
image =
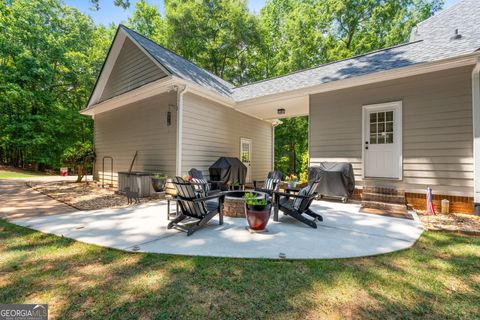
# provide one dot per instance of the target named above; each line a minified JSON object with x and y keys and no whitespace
{"x":200,"y":210}
{"x":202,"y":184}
{"x":298,"y":205}
{"x":269,"y":185}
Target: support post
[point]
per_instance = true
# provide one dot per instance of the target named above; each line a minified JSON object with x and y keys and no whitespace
{"x":179,"y":153}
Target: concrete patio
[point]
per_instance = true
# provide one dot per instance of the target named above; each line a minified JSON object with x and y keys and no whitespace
{"x":344,"y":233}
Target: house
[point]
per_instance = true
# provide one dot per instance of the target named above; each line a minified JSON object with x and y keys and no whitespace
{"x":406,"y":116}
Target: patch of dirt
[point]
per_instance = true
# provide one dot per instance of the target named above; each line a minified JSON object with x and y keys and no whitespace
{"x":455,"y":222}
{"x":85,"y":196}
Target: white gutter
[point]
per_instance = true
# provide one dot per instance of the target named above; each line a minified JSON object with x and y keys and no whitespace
{"x":180,"y":93}
{"x":476,"y":131}
{"x":146,"y":91}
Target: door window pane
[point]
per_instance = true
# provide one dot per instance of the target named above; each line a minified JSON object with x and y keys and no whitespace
{"x":373,"y":128}
{"x":390,"y":116}
{"x":373,"y":117}
{"x":381,"y":116}
{"x":380,"y":138}
{"x":389,"y":138}
{"x":373,"y":139}
{"x":381,"y":127}
{"x":389,"y":127}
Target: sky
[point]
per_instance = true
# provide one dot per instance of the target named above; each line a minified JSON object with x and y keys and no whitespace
{"x":109,"y":13}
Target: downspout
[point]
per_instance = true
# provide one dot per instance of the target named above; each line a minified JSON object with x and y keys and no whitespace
{"x":180,"y":93}
{"x":273,"y":147}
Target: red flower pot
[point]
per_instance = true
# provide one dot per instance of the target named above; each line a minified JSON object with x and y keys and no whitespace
{"x":257,"y":216}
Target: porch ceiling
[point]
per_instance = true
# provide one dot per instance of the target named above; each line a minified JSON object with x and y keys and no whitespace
{"x":267,"y":110}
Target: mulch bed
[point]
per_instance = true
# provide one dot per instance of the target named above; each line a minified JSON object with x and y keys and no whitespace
{"x":84,"y":196}
{"x":454,"y":222}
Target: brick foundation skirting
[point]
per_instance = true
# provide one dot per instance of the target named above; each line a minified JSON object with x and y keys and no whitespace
{"x":457,"y":204}
{"x":418,"y":201}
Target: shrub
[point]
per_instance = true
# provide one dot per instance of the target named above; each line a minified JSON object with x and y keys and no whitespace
{"x":79,"y":156}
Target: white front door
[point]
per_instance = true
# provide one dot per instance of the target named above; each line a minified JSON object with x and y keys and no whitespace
{"x":246,"y":156}
{"x":382,"y":140}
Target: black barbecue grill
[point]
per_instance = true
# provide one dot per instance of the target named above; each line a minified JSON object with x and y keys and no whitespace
{"x":229,"y":171}
{"x":336,"y":179}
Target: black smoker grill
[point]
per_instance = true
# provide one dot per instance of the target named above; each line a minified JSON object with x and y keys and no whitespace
{"x":228,"y":170}
{"x":336,"y":179}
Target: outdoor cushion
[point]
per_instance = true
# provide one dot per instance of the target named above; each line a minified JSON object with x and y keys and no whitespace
{"x":269,"y":183}
{"x":298,"y":201}
{"x":201,"y":184}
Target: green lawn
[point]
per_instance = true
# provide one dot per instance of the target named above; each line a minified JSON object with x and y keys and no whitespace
{"x":14,"y":174}
{"x":439,"y":278}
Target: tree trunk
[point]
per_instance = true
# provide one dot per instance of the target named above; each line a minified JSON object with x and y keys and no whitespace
{"x":291,"y":157}
{"x":80,"y":174}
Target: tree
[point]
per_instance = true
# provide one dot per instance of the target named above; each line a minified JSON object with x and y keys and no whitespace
{"x":50,"y":55}
{"x":218,"y":35}
{"x":291,"y":143}
{"x":146,"y":20}
{"x":80,"y":156}
{"x":125,"y":4}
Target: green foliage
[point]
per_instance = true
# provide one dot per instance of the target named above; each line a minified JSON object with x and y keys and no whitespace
{"x":79,"y":156}
{"x":219,"y":35}
{"x":291,"y":145}
{"x":251,"y":199}
{"x":50,"y":55}
{"x":146,"y":20}
{"x":159,"y":176}
{"x":125,"y":4}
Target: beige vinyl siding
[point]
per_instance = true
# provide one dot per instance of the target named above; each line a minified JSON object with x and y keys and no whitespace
{"x":139,"y":126}
{"x":132,"y":69}
{"x":211,"y":130}
{"x":437,"y":129}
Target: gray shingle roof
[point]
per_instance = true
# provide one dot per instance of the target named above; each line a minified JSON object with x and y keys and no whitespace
{"x":430,"y":41}
{"x":182,"y":67}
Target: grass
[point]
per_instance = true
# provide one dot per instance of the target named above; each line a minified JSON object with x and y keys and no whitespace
{"x":15,"y":174}
{"x":438,"y":278}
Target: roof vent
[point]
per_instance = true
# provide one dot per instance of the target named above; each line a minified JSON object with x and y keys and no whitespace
{"x":456,"y":35}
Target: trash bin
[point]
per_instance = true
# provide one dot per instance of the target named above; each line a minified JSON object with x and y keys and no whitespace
{"x":64,"y":172}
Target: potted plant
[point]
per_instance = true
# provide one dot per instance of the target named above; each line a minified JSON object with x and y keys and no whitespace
{"x":158,"y":182}
{"x":236,"y":185}
{"x":292,"y":180}
{"x":257,"y":211}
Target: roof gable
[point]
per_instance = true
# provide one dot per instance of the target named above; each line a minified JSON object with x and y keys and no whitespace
{"x":181,"y":67}
{"x":132,"y":69}
{"x":126,"y":67}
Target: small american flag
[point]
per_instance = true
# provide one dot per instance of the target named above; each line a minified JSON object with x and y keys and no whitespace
{"x":430,"y":205}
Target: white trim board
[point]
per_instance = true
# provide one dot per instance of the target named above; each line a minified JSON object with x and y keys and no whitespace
{"x":476,"y":131}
